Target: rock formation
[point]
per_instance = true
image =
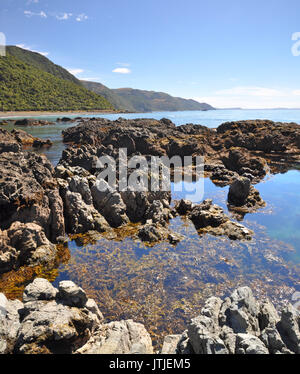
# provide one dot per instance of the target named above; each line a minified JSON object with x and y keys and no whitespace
{"x":239,"y":325}
{"x":64,"y":320}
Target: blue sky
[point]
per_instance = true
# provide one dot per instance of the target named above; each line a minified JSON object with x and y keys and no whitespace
{"x":228,"y":53}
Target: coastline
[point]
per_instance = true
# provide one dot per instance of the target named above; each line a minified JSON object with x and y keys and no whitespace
{"x":49,"y":113}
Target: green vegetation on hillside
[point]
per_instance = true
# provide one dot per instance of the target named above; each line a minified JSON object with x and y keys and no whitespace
{"x":41,"y":62}
{"x":150,"y":101}
{"x":144,"y":101}
{"x":25,"y":87}
{"x":117,"y":101}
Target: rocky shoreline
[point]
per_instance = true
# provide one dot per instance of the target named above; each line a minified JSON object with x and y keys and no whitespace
{"x":40,"y":205}
{"x":65,"y":321}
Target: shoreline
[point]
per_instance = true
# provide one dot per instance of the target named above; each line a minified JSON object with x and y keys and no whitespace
{"x":50,"y":114}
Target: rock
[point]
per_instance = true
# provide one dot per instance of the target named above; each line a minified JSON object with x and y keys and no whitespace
{"x":9,"y":323}
{"x":240,"y":325}
{"x":170,"y":344}
{"x":272,"y":339}
{"x":71,"y":294}
{"x":242,"y":314}
{"x":39,"y":289}
{"x":110,"y":204}
{"x":288,"y":327}
{"x":8,"y":142}
{"x":54,"y":328}
{"x":268,"y":316}
{"x":32,"y":122}
{"x":24,"y":244}
{"x":249,"y":344}
{"x":150,"y":233}
{"x":81,"y":217}
{"x":29,"y":193}
{"x":183,"y":207}
{"x":123,"y":337}
{"x":211,"y":219}
{"x":239,"y":191}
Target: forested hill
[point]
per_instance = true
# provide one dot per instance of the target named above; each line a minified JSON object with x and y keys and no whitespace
{"x":25,"y":87}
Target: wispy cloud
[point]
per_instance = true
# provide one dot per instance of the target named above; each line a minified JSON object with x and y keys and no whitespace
{"x":24,"y":46}
{"x":123,"y":64}
{"x":81,"y":17}
{"x":63,"y":16}
{"x":32,"y":2}
{"x":75,"y":71}
{"x":250,"y":91}
{"x":122,"y":71}
{"x":29,"y":13}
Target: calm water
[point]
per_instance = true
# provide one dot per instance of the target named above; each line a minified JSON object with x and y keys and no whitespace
{"x":210,"y":119}
{"x":162,"y":286}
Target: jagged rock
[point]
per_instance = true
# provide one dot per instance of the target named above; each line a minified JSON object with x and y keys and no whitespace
{"x":242,"y":315}
{"x":183,"y":206}
{"x":250,"y":344}
{"x":123,"y":337}
{"x":72,"y":295}
{"x":9,"y":323}
{"x":268,"y":316}
{"x":24,"y":244}
{"x":81,"y":217}
{"x":288,"y":327}
{"x":170,"y":344}
{"x":211,"y":219}
{"x":110,"y":204}
{"x":39,"y":289}
{"x":64,"y":321}
{"x":239,"y":191}
{"x":29,"y":193}
{"x":272,"y":339}
{"x":243,"y":198}
{"x":239,"y":325}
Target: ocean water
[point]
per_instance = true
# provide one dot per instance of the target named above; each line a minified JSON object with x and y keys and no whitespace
{"x":210,"y":118}
{"x":164,"y":285}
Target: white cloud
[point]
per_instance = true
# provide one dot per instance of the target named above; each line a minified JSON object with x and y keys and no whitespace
{"x":250,"y":91}
{"x":29,"y":13}
{"x":81,"y":17}
{"x":122,"y":71}
{"x":75,"y":71}
{"x":63,"y":16}
{"x":32,"y":50}
{"x":32,"y":1}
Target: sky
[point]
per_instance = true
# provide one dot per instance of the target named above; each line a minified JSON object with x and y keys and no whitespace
{"x":229,"y":53}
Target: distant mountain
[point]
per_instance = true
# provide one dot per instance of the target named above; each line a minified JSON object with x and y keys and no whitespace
{"x":25,"y":87}
{"x":144,"y":101}
{"x":116,"y":100}
{"x":41,"y":62}
{"x":60,"y":90}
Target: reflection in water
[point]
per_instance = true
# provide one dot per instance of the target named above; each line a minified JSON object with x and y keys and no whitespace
{"x":163,"y":286}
